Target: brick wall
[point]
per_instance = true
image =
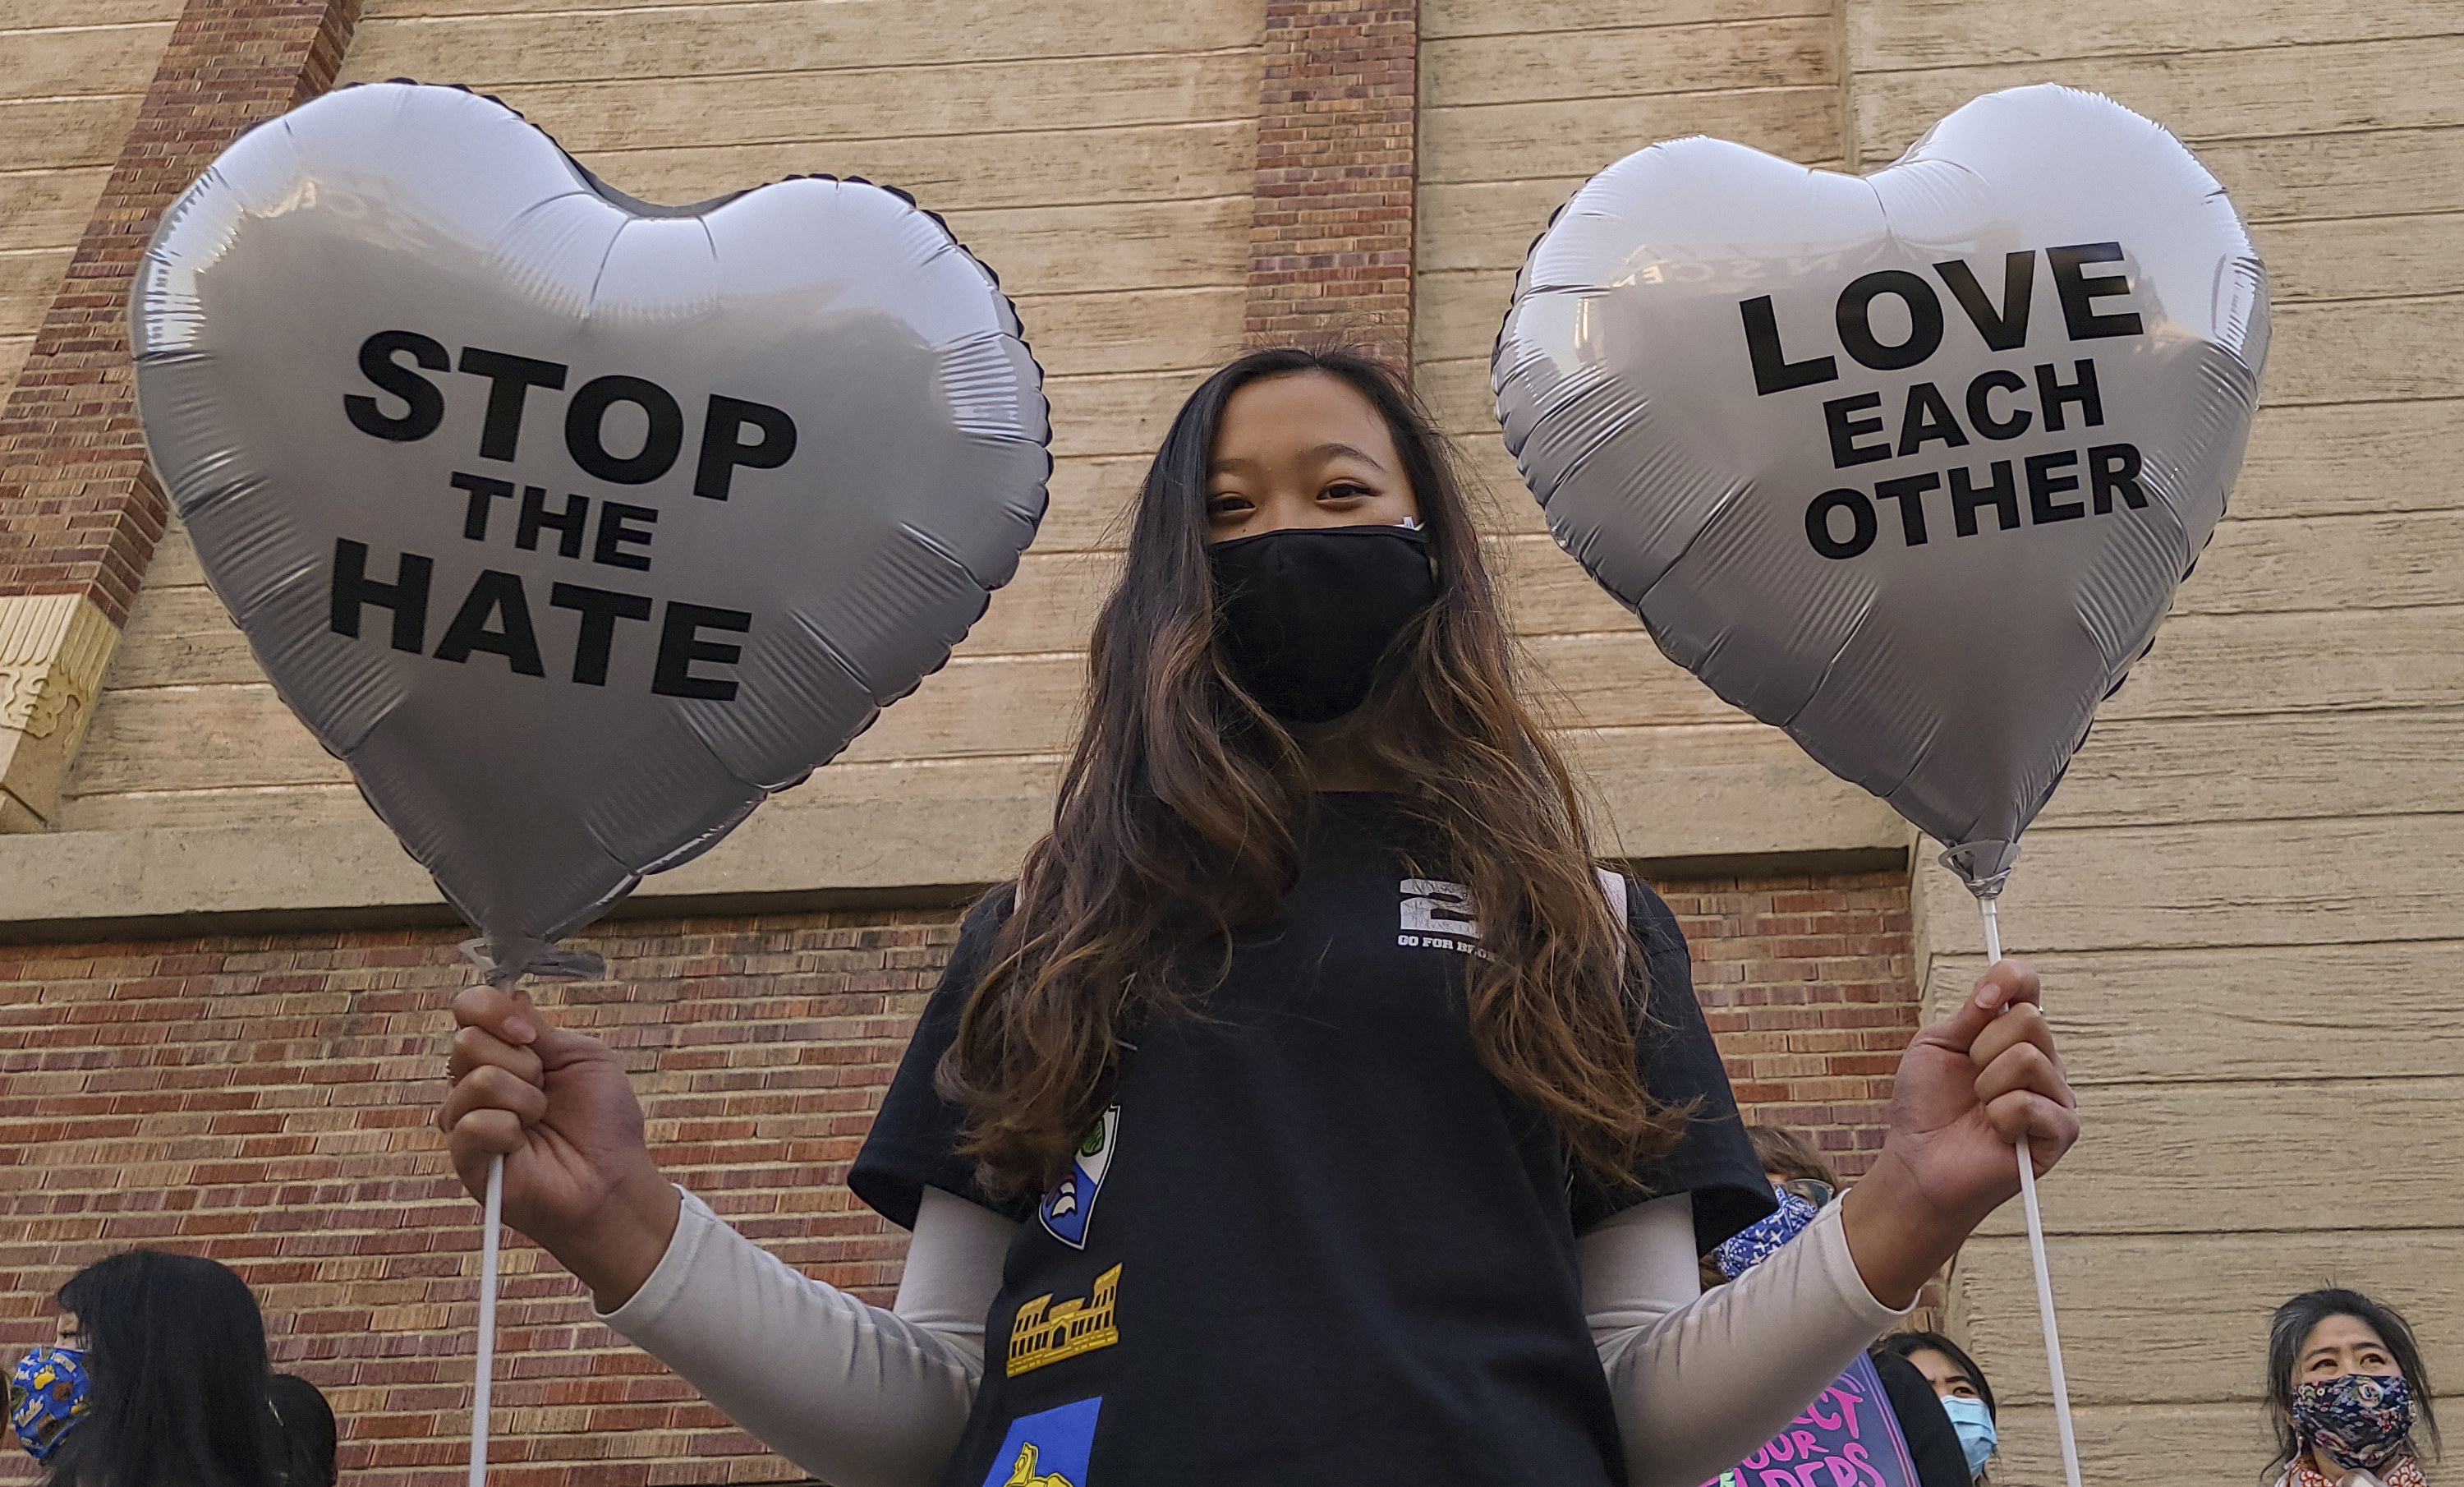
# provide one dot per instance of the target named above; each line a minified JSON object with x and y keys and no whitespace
{"x":267,"y":1101}
{"x":1331,"y":227}
{"x":80,"y":511}
{"x":1808,"y":984}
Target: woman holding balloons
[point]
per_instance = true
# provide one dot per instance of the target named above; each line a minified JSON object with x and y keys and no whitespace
{"x":1309,"y":1108}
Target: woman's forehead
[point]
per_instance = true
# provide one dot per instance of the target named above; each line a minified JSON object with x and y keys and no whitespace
{"x":2339,"y":1332}
{"x":1310,"y":409}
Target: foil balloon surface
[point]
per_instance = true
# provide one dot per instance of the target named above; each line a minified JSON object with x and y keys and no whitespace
{"x":575,"y":525}
{"x":1907,"y":464}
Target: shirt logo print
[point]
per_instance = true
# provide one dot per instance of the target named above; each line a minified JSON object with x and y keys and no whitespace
{"x":1438,"y":915}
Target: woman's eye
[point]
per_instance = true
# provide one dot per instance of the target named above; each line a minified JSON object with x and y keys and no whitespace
{"x":1227,"y":505}
{"x":1346,"y":491}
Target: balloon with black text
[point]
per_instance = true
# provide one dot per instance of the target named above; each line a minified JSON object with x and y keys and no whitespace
{"x":1907,"y":464}
{"x":574,"y":524}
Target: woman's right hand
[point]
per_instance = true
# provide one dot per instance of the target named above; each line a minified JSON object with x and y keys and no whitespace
{"x":558,"y":1107}
{"x":1969,"y":1088}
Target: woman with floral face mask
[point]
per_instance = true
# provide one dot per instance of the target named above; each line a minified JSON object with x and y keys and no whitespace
{"x":1312,"y":1109}
{"x":2347,"y":1396}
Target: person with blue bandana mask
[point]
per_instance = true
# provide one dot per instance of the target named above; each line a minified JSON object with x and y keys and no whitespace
{"x":1965,"y":1395}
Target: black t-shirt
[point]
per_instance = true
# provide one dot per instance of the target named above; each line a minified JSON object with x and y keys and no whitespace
{"x":1933,"y":1443}
{"x":1312,"y":1241}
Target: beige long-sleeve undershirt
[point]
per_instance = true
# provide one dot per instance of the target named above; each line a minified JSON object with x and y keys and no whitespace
{"x":866,"y":1397}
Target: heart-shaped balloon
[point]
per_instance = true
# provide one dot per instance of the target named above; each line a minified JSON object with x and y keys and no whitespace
{"x":1908,"y":464}
{"x":575,"y":525}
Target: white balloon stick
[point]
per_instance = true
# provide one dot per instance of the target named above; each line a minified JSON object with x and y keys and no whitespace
{"x":2036,"y":1255}
{"x":492,"y":1215}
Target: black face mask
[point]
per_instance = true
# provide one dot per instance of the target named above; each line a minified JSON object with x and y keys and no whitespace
{"x":1304,"y":615}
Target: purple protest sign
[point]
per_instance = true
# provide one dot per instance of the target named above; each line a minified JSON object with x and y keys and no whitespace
{"x":1847,"y":1438}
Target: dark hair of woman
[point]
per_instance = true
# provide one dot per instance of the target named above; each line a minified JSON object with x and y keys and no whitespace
{"x":1181,"y":813}
{"x":1902,"y":1343}
{"x":2292,"y":1327}
{"x":310,"y":1436}
{"x":175,"y":1347}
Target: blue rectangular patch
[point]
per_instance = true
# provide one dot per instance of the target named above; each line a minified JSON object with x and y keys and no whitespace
{"x":1048,"y":1449}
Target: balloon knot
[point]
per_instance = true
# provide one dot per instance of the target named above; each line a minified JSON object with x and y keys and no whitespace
{"x":1983,"y":866}
{"x":503,"y":965}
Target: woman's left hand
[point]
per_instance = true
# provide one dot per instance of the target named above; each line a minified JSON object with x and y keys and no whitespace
{"x":1967,"y":1089}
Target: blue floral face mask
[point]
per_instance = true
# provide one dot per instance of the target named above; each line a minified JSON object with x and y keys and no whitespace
{"x":1974,"y":1423}
{"x":47,"y":1393}
{"x":1752,"y":1245}
{"x":2360,"y":1419}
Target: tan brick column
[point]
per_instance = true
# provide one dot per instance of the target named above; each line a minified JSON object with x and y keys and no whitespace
{"x":80,"y":511}
{"x":1330,"y":230}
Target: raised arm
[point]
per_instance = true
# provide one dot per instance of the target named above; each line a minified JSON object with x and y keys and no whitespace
{"x":857,"y":1395}
{"x":854,"y":1394}
{"x":1700,"y":1381}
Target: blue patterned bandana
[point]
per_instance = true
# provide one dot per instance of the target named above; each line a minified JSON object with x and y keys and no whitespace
{"x":47,"y":1397}
{"x":1752,"y":1245}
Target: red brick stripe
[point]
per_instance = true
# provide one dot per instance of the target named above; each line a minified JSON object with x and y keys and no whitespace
{"x":1331,"y":228}
{"x":1808,"y":984}
{"x":80,"y":511}
{"x":268,"y":1102}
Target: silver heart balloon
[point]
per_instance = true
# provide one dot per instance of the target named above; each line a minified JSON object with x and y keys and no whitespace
{"x":1907,"y":464}
{"x":574,"y":524}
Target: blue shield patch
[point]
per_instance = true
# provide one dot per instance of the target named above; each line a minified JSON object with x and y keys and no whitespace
{"x":1048,"y":1449}
{"x":1067,"y":1208}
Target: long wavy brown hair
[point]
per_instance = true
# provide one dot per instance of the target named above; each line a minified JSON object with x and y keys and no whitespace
{"x":1183,"y":811}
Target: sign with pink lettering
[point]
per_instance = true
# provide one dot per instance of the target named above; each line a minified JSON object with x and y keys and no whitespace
{"x":1847,"y":1438}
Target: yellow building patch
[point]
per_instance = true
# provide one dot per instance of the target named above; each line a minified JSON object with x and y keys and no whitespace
{"x":1042,"y":1333}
